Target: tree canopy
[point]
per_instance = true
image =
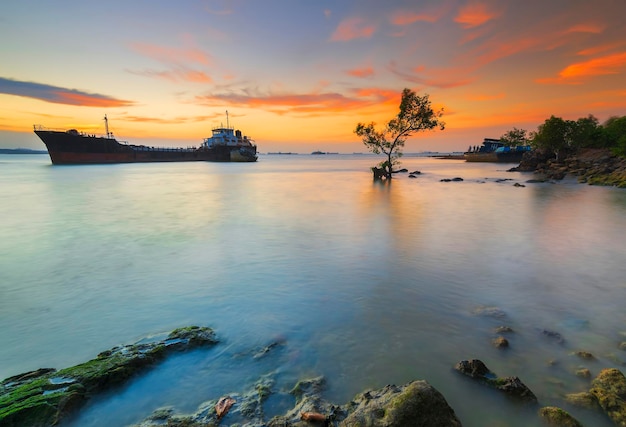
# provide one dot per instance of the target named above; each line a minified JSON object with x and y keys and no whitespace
{"x":559,"y":135}
{"x":515,"y":137}
{"x":416,"y":114}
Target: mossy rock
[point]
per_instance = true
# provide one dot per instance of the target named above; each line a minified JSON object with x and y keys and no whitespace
{"x":44,"y":397}
{"x":557,"y":417}
{"x":609,"y":388}
{"x":414,"y":404}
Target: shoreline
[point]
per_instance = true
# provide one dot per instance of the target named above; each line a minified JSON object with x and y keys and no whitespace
{"x":48,"y":397}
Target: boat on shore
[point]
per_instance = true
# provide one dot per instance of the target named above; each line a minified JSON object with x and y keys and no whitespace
{"x":67,"y":147}
{"x":495,"y":151}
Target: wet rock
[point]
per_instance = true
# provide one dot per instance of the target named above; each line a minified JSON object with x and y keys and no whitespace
{"x":622,"y":345}
{"x":557,"y":417}
{"x":583,"y":400}
{"x":457,"y":179}
{"x":414,"y":404}
{"x":554,"y":336}
{"x":511,"y":386}
{"x":584,"y":355}
{"x":46,"y":397}
{"x":517,"y":184}
{"x":609,"y":388}
{"x":583,"y":373}
{"x":489,"y":311}
{"x":500,"y":342}
{"x":503,"y":330}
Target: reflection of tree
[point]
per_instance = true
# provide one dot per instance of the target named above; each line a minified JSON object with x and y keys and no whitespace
{"x":393,"y":218}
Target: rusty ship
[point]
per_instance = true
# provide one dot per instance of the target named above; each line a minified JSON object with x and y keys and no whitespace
{"x":73,"y":147}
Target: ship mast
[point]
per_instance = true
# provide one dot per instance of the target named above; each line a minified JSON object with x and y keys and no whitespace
{"x":106,"y":126}
{"x":227,"y":126}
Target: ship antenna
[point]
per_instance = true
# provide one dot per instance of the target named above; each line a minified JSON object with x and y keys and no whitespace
{"x":227,"y":126}
{"x":106,"y":125}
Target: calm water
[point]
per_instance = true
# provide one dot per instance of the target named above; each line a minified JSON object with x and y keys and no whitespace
{"x":366,"y":284}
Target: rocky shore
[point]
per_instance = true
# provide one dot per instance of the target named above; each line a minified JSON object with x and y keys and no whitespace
{"x":47,"y":397}
{"x":593,"y":166}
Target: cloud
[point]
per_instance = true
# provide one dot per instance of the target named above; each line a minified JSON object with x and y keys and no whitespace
{"x":170,"y":55}
{"x":444,"y":78}
{"x":586,"y":28}
{"x":403,"y":17}
{"x":576,"y":73}
{"x":310,"y":104}
{"x":474,"y":15}
{"x":177,"y":74}
{"x":58,"y":95}
{"x":361,"y":72}
{"x":353,"y":28}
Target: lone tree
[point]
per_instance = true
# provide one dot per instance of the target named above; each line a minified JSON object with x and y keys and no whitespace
{"x":416,"y":114}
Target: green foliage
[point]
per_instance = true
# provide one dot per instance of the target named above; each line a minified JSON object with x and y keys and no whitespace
{"x":515,"y":137}
{"x":560,"y":135}
{"x":615,"y":134}
{"x":416,"y":114}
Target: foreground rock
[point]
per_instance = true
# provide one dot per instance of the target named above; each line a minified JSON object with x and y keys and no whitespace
{"x":609,"y":388}
{"x":511,"y":386}
{"x":594,"y":166}
{"x":414,"y":404}
{"x":44,"y":397}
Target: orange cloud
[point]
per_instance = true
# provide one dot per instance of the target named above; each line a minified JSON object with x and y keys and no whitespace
{"x":86,"y":100}
{"x":586,"y":28}
{"x":353,"y":28}
{"x":402,"y":18}
{"x":178,"y":74}
{"x":435,"y":77}
{"x":313,"y":104}
{"x":474,"y":15}
{"x":361,"y":72}
{"x":601,"y":48}
{"x":170,"y":54}
{"x":575,"y":73}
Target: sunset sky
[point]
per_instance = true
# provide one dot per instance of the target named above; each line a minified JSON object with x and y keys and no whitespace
{"x":299,"y":75}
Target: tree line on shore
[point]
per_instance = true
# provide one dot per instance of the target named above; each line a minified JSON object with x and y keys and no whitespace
{"x":566,"y":136}
{"x":555,"y":135}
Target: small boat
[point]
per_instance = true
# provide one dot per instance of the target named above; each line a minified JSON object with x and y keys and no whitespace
{"x":67,"y":147}
{"x":495,"y":151}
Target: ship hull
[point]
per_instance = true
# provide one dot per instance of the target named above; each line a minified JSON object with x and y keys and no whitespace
{"x":493,"y":157}
{"x":67,"y":148}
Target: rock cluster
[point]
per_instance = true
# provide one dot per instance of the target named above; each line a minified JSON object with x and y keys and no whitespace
{"x":46,"y":397}
{"x":594,"y":166}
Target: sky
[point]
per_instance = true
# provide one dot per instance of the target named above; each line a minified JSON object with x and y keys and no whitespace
{"x":299,"y":75}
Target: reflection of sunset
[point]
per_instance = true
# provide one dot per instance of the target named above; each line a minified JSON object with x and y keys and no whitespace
{"x":305,"y":74}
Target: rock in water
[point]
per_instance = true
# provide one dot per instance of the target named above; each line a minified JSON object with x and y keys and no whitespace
{"x":609,"y":387}
{"x":416,"y":404}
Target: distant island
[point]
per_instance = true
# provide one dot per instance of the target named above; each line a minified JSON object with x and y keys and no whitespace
{"x":21,"y":151}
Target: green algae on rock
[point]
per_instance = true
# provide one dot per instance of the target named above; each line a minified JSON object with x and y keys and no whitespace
{"x":44,"y":397}
{"x":557,"y":417}
{"x":609,"y":387}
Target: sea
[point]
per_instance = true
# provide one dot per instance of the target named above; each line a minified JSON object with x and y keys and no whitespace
{"x":305,"y":266}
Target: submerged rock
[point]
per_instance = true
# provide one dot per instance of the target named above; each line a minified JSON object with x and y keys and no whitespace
{"x":511,"y":386}
{"x":557,"y":417}
{"x":45,"y":397}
